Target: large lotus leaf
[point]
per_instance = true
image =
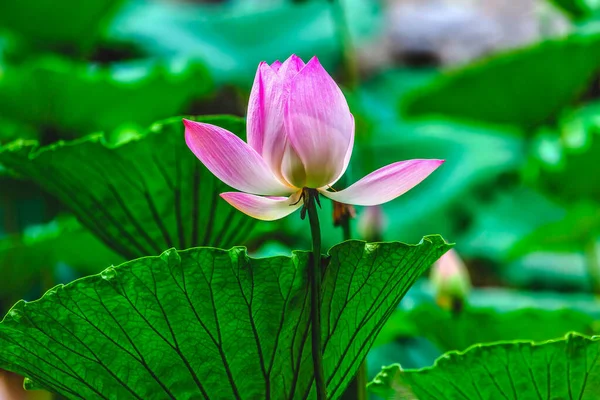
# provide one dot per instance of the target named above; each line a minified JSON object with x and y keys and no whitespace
{"x":513,"y":88}
{"x":140,"y":196}
{"x":210,"y":323}
{"x":73,"y":99}
{"x":563,"y":369}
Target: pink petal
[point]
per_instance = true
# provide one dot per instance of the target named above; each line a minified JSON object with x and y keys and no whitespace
{"x":263,"y":208}
{"x":318,"y":124}
{"x":292,"y":169}
{"x":449,"y":265}
{"x":348,"y":155}
{"x":231,"y":160}
{"x":386,"y":183}
{"x":276,"y":65}
{"x":265,"y":130}
{"x":290,"y":68}
{"x":262,"y":113}
{"x":450,"y":279}
{"x":372,"y":223}
{"x":265,"y":127}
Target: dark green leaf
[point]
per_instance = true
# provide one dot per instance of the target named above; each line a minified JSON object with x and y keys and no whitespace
{"x":513,"y":88}
{"x":11,"y":130}
{"x":141,"y":196}
{"x":72,"y":99}
{"x":399,"y":326}
{"x":28,"y":259}
{"x":563,"y":369}
{"x":70,"y":25}
{"x":210,"y":323}
{"x":577,"y":9}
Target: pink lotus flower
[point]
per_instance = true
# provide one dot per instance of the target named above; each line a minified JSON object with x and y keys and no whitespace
{"x":300,"y":135}
{"x":371,"y":224}
{"x":451,"y":280}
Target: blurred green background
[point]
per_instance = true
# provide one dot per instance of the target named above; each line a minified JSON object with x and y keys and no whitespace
{"x":94,"y":170}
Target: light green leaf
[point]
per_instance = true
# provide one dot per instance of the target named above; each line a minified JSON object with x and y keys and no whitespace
{"x":573,"y":233}
{"x":512,"y":88}
{"x":210,"y":323}
{"x":72,"y":99}
{"x":140,"y":196}
{"x":229,"y":37}
{"x":485,"y":325}
{"x":496,"y":224}
{"x":476,"y":155}
{"x":563,"y":369}
{"x":567,"y":157}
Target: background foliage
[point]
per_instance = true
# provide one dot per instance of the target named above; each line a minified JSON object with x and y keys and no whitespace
{"x":94,"y":170}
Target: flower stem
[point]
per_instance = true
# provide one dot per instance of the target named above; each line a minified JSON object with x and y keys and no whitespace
{"x":315,"y":275}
